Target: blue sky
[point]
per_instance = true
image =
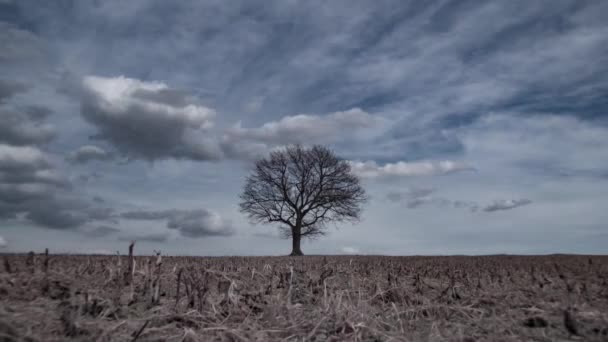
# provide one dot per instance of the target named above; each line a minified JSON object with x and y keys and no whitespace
{"x":476,"y":128}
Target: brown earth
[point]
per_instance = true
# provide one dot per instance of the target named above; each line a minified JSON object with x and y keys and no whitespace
{"x":311,"y":298}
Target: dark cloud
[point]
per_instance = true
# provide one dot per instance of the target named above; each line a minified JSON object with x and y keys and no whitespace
{"x":98,"y":199}
{"x":31,"y":185}
{"x":458,"y":204}
{"x":26,"y":174}
{"x":67,"y":213}
{"x":20,"y":193}
{"x":190,"y":223}
{"x":413,"y":197}
{"x":148,"y":120}
{"x":37,"y":113}
{"x":158,"y":238}
{"x":506,"y":204}
{"x":416,"y":202}
{"x":85,"y":178}
{"x":143,"y":215}
{"x":417,"y":197}
{"x":200,"y":223}
{"x":22,"y":125}
{"x":20,"y":47}
{"x":22,"y":159}
{"x":100,"y":214}
{"x":138,"y":120}
{"x":25,"y":127}
{"x":48,"y":215}
{"x":9,"y":88}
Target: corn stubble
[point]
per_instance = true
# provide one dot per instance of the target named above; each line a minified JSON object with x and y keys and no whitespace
{"x":336,"y":298}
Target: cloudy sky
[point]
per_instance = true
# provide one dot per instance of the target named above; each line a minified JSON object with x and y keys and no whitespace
{"x":476,"y":127}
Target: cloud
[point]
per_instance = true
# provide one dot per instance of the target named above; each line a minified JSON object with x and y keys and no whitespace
{"x":21,"y":159}
{"x":200,"y":223}
{"x":55,"y":217}
{"x":506,"y":204}
{"x":308,"y":129}
{"x":98,"y":213}
{"x":450,"y":203}
{"x":413,"y":197}
{"x":416,"y":197}
{"x":66,"y":213}
{"x":190,"y":223}
{"x":156,"y":237}
{"x":345,"y":127}
{"x":22,"y":125}
{"x":370,"y":169}
{"x":25,"y":128}
{"x":143,"y":215}
{"x":31,"y":185}
{"x":3,"y":242}
{"x":85,"y":178}
{"x":98,"y":199}
{"x":10,"y":88}
{"x":26,"y":179}
{"x":547,"y":145}
{"x":148,"y":120}
{"x":20,"y":47}
{"x":102,"y":231}
{"x":87,"y":153}
{"x":488,"y":85}
{"x":25,"y":175}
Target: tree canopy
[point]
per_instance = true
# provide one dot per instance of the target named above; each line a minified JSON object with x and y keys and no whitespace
{"x":302,"y":190}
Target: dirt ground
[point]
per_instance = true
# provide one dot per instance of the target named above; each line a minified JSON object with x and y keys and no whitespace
{"x":311,"y":298}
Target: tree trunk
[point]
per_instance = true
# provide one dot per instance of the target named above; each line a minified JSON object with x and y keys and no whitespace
{"x":296,"y":237}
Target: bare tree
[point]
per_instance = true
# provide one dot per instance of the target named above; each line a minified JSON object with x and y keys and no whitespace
{"x":302,"y":189}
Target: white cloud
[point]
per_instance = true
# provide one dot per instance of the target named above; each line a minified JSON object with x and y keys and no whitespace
{"x":541,"y":143}
{"x":309,"y":129}
{"x":3,"y":242}
{"x":370,"y":169}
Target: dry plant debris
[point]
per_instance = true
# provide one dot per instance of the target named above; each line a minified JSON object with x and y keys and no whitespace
{"x":45,"y":297}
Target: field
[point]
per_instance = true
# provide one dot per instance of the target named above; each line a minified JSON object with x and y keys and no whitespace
{"x":311,"y":298}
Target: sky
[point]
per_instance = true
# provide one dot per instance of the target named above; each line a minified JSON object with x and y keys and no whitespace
{"x":475,"y":127}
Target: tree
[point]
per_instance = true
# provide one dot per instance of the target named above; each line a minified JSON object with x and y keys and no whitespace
{"x":302,"y":190}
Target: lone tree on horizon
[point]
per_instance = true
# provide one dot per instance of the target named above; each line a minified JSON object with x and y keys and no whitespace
{"x":302,"y":189}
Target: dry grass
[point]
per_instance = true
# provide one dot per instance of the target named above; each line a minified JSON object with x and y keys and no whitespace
{"x":313,"y":298}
